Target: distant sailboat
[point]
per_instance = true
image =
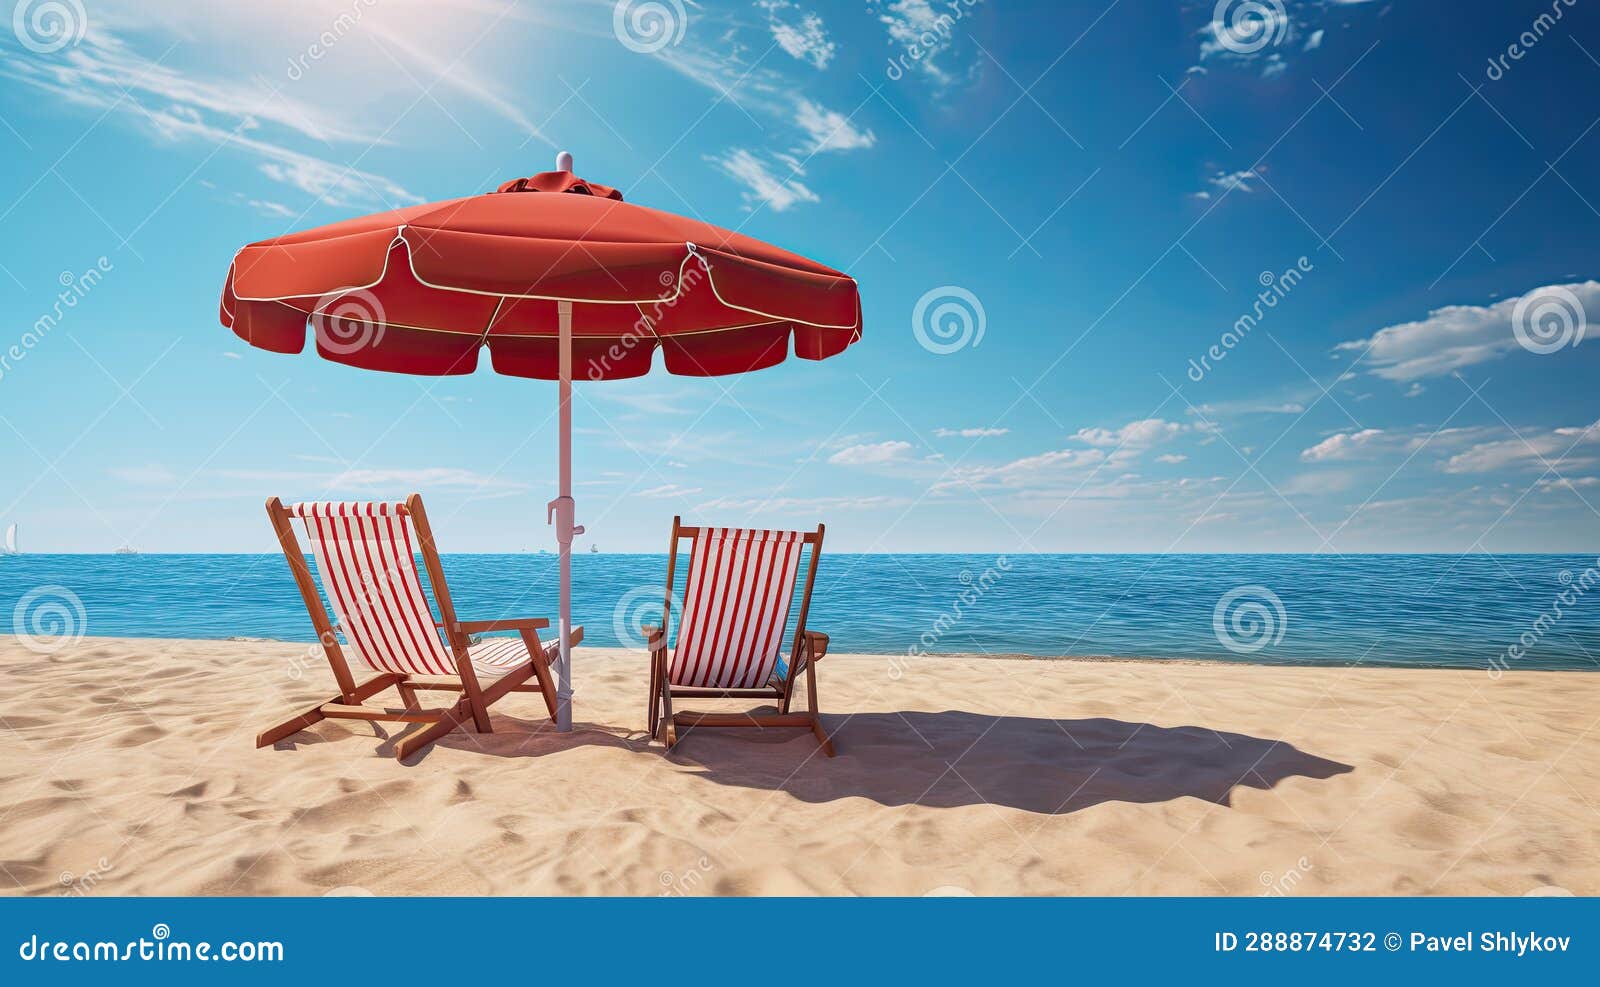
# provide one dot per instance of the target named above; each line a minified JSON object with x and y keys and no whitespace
{"x":10,"y":546}
{"x":594,"y":549}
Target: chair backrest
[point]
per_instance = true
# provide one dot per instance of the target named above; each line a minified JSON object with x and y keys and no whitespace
{"x":365,"y":554}
{"x":736,"y":603}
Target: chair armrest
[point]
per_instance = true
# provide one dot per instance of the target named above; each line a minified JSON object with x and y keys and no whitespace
{"x":655,"y":638}
{"x":486,"y":626}
{"x":816,"y":644}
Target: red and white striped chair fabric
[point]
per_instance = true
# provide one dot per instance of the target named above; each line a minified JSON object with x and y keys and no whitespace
{"x":735,"y":605}
{"x":365,"y":554}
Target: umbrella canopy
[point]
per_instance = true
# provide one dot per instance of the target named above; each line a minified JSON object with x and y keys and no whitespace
{"x":421,"y":290}
{"x":560,"y":279}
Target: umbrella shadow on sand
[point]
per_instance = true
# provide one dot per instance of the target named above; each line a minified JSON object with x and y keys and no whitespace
{"x":958,"y":758}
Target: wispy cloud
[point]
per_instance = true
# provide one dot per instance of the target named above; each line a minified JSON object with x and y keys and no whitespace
{"x":799,"y":32}
{"x":105,"y":73}
{"x":667,"y":491}
{"x":1463,"y":335}
{"x":969,"y":433}
{"x":761,"y":183}
{"x":830,"y":130}
{"x":873,"y":454}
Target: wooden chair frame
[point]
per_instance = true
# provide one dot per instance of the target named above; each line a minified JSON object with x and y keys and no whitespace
{"x":807,"y":648}
{"x":472,"y":700}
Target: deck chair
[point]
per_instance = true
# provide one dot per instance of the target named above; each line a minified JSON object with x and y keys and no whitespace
{"x":736,"y":603}
{"x":364,"y":554}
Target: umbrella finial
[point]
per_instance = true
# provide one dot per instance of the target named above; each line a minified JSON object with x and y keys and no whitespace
{"x":564,"y":161}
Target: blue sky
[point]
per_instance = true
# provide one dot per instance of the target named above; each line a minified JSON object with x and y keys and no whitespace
{"x":1106,"y":190}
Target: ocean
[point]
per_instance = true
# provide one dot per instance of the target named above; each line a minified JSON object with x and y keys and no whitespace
{"x":1471,"y":611}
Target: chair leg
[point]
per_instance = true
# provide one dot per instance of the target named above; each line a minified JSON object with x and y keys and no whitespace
{"x":407,"y":746}
{"x":653,"y":706}
{"x":811,"y":705}
{"x":666,"y":713}
{"x":408,"y":695}
{"x":541,"y":669}
{"x":293,"y":724}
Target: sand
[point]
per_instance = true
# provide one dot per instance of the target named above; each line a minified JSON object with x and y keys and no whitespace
{"x":130,"y":769}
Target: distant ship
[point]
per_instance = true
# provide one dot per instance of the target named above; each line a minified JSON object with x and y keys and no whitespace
{"x":126,"y":550}
{"x":594,"y":549}
{"x":9,"y":547}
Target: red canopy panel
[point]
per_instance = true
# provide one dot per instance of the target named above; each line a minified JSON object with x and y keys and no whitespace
{"x":422,"y":290}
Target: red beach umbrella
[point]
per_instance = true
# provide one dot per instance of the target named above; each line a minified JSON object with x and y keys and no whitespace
{"x":561,"y":280}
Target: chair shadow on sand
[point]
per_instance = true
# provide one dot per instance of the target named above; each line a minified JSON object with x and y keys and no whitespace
{"x":958,"y":758}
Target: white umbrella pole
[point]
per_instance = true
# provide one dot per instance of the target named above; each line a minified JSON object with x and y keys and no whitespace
{"x":563,"y":511}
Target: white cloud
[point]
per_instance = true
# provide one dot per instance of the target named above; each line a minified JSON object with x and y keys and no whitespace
{"x":1348,"y":445}
{"x":1529,"y":449}
{"x":667,"y":490}
{"x":1134,"y":435}
{"x":1232,"y":181}
{"x":1463,"y":335}
{"x":872,"y":454}
{"x":969,"y":433}
{"x":803,"y":36}
{"x":1171,"y":458}
{"x":761,"y":185}
{"x":1029,"y":471}
{"x":916,"y":26}
{"x":830,"y":130}
{"x":809,"y":505}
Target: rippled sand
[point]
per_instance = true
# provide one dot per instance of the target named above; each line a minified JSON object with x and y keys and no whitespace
{"x":130,"y":769}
